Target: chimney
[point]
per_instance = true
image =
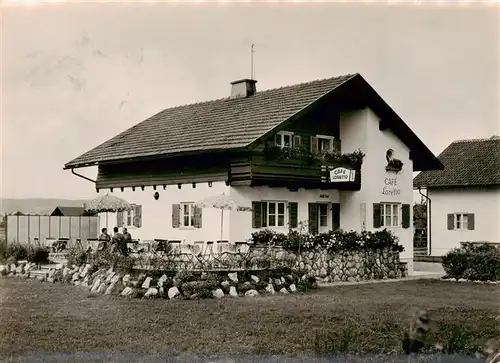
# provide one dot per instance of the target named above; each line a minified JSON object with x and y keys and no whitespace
{"x":243,"y":88}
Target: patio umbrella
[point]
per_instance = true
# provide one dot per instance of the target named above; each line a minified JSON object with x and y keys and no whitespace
{"x":107,"y":203}
{"x":223,"y":202}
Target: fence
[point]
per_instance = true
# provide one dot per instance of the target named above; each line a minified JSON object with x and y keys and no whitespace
{"x":25,"y":229}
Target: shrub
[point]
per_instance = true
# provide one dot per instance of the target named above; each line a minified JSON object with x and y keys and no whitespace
{"x":15,"y":251}
{"x":38,"y":255}
{"x":77,"y":257}
{"x":473,"y":262}
{"x":333,"y":241}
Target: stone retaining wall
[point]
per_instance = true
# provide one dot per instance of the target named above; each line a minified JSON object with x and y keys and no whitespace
{"x":319,"y":263}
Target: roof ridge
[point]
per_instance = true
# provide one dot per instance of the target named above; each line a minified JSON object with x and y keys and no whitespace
{"x":347,"y":76}
{"x":493,"y":138}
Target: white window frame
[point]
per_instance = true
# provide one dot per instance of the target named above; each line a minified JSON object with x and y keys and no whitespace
{"x":395,"y":217}
{"x":126,"y":214}
{"x":190,"y":215}
{"x":282,"y":135}
{"x":331,"y":139}
{"x":463,"y":218}
{"x":276,"y":214}
{"x":327,"y":227}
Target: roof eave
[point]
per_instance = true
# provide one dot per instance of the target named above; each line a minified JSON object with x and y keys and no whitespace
{"x":152,"y":157}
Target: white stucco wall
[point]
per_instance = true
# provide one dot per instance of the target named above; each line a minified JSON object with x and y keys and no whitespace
{"x":157,"y":214}
{"x":241,"y":222}
{"x":485,"y":204}
{"x":360,"y":130}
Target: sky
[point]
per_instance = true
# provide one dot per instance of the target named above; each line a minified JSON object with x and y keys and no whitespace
{"x":75,"y":75}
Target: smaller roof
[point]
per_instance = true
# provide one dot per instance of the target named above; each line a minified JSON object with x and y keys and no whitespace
{"x":467,"y":163}
{"x":68,"y":211}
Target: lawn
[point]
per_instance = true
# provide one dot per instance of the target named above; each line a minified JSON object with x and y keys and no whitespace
{"x":43,"y":317}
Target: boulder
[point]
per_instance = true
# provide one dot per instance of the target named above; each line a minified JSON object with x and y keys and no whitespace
{"x":76,"y":276}
{"x":225,"y":284}
{"x":3,"y":270}
{"x":233,"y":292}
{"x":115,"y":278}
{"x":127,"y":291}
{"x":162,"y":280}
{"x":151,"y":292}
{"x":95,"y":285}
{"x":173,"y":292}
{"x":270,"y":289}
{"x":218,"y":293}
{"x":19,"y":269}
{"x":251,"y":293}
{"x":284,"y":291}
{"x":102,"y":288}
{"x":293,"y":288}
{"x":126,"y":279}
{"x":255,"y":279}
{"x":110,"y":277}
{"x":233,"y":277}
{"x":146,"y":283}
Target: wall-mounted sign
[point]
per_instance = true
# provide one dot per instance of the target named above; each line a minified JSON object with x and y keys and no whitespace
{"x":342,"y":175}
{"x":393,"y":164}
{"x":391,"y":187}
{"x":324,"y":196}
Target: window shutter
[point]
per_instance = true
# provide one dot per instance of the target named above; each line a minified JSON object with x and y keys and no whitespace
{"x":470,"y":221}
{"x":138,"y":216}
{"x":293,"y":211}
{"x":377,"y":215}
{"x":256,"y":214}
{"x":314,"y":144}
{"x":264,"y":214}
{"x":405,"y":215}
{"x":176,"y":215}
{"x":197,"y":217}
{"x":313,"y":218}
{"x":335,"y":216}
{"x":451,"y":222}
{"x":119,"y":219}
{"x":296,"y":140}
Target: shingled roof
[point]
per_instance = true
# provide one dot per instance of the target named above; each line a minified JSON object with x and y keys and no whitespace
{"x":232,"y":123}
{"x":468,"y":163}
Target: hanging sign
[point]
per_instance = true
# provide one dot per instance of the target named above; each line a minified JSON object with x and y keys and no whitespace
{"x":342,"y":175}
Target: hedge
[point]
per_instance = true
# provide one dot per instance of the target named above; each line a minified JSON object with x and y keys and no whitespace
{"x":473,"y":262}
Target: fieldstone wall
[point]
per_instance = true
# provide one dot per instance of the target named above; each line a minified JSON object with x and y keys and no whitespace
{"x":319,"y":263}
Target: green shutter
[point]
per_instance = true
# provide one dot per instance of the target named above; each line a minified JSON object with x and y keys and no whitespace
{"x":256,"y":214}
{"x":176,"y":215}
{"x":313,"y":218}
{"x":137,"y":216}
{"x":335,"y":216}
{"x":197,"y":217}
{"x":264,"y":214}
{"x":470,"y":222}
{"x":405,"y":215}
{"x":314,"y":144}
{"x":119,"y":219}
{"x":451,"y":221}
{"x":377,"y":215}
{"x":293,"y":214}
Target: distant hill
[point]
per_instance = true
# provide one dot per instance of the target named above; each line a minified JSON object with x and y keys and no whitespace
{"x":36,"y":205}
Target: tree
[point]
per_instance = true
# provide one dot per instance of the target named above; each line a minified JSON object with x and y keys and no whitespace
{"x":420,"y":215}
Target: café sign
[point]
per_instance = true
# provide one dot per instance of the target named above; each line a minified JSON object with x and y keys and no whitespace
{"x":339,"y":175}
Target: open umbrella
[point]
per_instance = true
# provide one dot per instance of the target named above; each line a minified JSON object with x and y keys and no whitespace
{"x":223,"y":202}
{"x":107,"y":203}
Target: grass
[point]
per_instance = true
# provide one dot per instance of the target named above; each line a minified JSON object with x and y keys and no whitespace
{"x":43,"y":317}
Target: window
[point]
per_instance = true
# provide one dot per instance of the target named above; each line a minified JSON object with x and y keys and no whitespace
{"x":461,"y":221}
{"x":128,"y":218}
{"x":275,"y":214}
{"x":325,"y":143}
{"x":390,"y":214}
{"x":323,"y":215}
{"x":187,"y":215}
{"x":284,"y":139}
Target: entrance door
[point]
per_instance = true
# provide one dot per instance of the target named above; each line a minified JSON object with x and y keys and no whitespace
{"x":323,"y":217}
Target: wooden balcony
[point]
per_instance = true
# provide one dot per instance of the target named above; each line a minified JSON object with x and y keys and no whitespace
{"x":294,"y":172}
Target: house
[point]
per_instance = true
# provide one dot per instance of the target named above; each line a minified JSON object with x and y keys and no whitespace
{"x":464,"y":199}
{"x":291,"y":154}
{"x":70,"y":211}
